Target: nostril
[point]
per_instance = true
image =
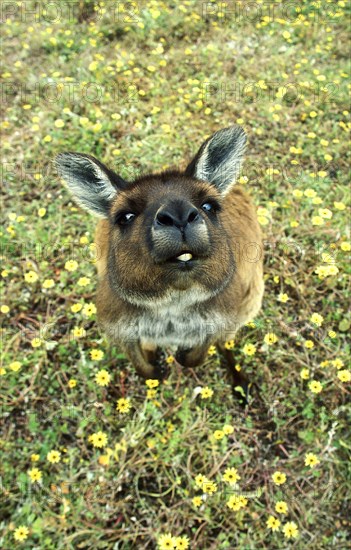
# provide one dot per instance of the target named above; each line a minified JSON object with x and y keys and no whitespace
{"x":164,"y":218}
{"x":177,"y":217}
{"x":193,"y":215}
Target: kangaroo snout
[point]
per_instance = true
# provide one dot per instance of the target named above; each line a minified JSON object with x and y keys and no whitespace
{"x":179,"y":233}
{"x":176,"y":214}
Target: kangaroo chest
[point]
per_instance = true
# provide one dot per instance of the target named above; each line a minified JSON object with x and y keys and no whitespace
{"x":180,"y":321}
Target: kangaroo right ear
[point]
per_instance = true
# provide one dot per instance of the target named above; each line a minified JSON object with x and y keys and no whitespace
{"x":92,"y":184}
{"x":219,"y":159}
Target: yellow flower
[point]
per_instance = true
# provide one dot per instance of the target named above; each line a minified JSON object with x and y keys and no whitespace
{"x":197,"y":501}
{"x":317,"y":319}
{"x":71,"y":265}
{"x":36,"y":343}
{"x":31,"y":277}
{"x":84,"y":240}
{"x":83,"y":281}
{"x":200,"y":480}
{"x":270,"y":338}
{"x":15,"y":366}
{"x":290,"y":530}
{"x":54,"y":457}
{"x":281,"y":507}
{"x":98,"y":439}
{"x":170,"y":359}
{"x":310,"y":193}
{"x":59,"y":123}
{"x":5,"y":309}
{"x":273,"y":523}
{"x":93,"y":66}
{"x":2,"y":371}
{"x":209,"y":487}
{"x":344,"y":375}
{"x":21,"y":533}
{"x":151,"y":394}
{"x":206,"y":392}
{"x":228,"y":429}
{"x":325,"y":213}
{"x":211,"y":350}
{"x":317,"y":220}
{"x":229,"y":344}
{"x":262,"y":220}
{"x":283,"y":297}
{"x":231,"y":475}
{"x":102,"y":378}
{"x":48,"y":283}
{"x":34,"y":457}
{"x":104,"y":460}
{"x":89,"y":309}
{"x":166,"y":542}
{"x":181,"y":543}
{"x":96,"y":354}
{"x":76,"y":307}
{"x":305,"y":374}
{"x":297,"y":193}
{"x":35,"y":474}
{"x":345,"y":246}
{"x":279,"y":478}
{"x":315,"y":387}
{"x":79,"y":332}
{"x":311,"y":460}
{"x":249,"y":349}
{"x":41,"y":212}
{"x":152,"y":383}
{"x":337,"y":363}
{"x":324,"y":271}
{"x":236,"y":502}
{"x":72,"y":383}
{"x":308,"y":344}
{"x":218,"y":434}
{"x":317,"y":200}
{"x":123,"y":405}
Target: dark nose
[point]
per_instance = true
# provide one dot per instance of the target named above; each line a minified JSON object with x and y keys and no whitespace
{"x":177,"y":216}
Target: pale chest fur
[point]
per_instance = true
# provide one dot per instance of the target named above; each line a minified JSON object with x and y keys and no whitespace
{"x":175,"y":322}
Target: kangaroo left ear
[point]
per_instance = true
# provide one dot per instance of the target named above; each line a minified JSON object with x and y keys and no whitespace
{"x":92,"y":184}
{"x":219,"y":159}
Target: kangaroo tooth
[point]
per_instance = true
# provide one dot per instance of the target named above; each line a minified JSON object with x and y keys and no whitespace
{"x":184,"y":257}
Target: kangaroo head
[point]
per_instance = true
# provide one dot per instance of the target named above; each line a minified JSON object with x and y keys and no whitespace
{"x":164,"y":230}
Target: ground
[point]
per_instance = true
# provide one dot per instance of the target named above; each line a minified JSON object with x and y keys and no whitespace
{"x":92,"y":456}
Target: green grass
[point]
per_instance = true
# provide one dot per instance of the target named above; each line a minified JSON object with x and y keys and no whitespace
{"x":142,"y":95}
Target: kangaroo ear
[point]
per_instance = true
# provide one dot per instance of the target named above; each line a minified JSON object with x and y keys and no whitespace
{"x":219,"y":159}
{"x":92,"y":184}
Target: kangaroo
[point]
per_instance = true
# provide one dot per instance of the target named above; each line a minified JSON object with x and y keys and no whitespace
{"x":180,"y":254}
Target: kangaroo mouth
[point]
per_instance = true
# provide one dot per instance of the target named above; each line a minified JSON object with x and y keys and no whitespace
{"x":184,"y":257}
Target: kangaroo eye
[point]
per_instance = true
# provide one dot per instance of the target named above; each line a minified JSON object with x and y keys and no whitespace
{"x":207,"y":206}
{"x":125,"y":218}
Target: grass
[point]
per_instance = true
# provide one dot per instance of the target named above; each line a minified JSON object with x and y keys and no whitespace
{"x":140,"y":87}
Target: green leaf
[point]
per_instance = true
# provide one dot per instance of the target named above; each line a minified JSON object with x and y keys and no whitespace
{"x":344,"y":325}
